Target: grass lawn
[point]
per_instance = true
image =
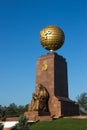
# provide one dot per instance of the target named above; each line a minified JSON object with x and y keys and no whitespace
{"x":61,"y":124}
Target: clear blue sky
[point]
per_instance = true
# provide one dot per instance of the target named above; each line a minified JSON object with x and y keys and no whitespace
{"x":20,"y":24}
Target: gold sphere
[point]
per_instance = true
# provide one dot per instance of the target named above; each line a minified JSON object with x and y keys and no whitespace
{"x":52,"y":38}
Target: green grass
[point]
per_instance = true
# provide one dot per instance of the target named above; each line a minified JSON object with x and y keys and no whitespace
{"x":61,"y":124}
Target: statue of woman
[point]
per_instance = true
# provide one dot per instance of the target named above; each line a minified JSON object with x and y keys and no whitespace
{"x":40,"y":99}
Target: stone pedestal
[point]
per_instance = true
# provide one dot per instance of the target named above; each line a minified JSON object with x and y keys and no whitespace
{"x":32,"y":115}
{"x":54,"y":78}
{"x":51,"y":72}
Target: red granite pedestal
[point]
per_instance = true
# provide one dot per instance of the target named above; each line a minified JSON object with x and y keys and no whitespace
{"x":51,"y":72}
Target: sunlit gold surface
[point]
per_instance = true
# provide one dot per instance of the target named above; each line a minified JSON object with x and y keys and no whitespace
{"x":44,"y":67}
{"x":52,"y":37}
{"x":40,"y":99}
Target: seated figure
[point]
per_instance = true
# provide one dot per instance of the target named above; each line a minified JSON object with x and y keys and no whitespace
{"x":40,"y":99}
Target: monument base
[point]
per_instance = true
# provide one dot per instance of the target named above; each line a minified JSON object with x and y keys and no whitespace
{"x":37,"y":115}
{"x":58,"y":107}
{"x":51,"y":73}
{"x":32,"y":115}
{"x":62,"y":106}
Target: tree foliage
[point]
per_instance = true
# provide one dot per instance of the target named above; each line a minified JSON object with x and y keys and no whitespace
{"x":1,"y":126}
{"x":12,"y":110}
{"x":2,"y":111}
{"x":23,"y":124}
{"x":82,"y":101}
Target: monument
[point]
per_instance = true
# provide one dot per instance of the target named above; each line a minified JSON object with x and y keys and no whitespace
{"x":51,"y":99}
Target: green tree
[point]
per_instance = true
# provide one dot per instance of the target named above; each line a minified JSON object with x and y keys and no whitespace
{"x":26,"y":107}
{"x":82,"y":101}
{"x":11,"y":110}
{"x":20,"y":110}
{"x":2,"y":111}
{"x":23,"y":124}
{"x":1,"y":127}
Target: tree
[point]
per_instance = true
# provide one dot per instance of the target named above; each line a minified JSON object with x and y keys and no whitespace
{"x":21,"y":109}
{"x":11,"y":110}
{"x":2,"y":111}
{"x":1,"y":126}
{"x":23,"y":124}
{"x":82,"y":101}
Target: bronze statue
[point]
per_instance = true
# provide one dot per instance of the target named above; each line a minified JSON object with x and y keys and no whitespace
{"x":40,"y":99}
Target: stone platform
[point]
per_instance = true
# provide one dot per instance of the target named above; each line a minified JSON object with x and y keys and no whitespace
{"x":60,"y":107}
{"x":37,"y":116}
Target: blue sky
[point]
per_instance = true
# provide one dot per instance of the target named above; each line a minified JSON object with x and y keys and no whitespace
{"x":20,"y":24}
